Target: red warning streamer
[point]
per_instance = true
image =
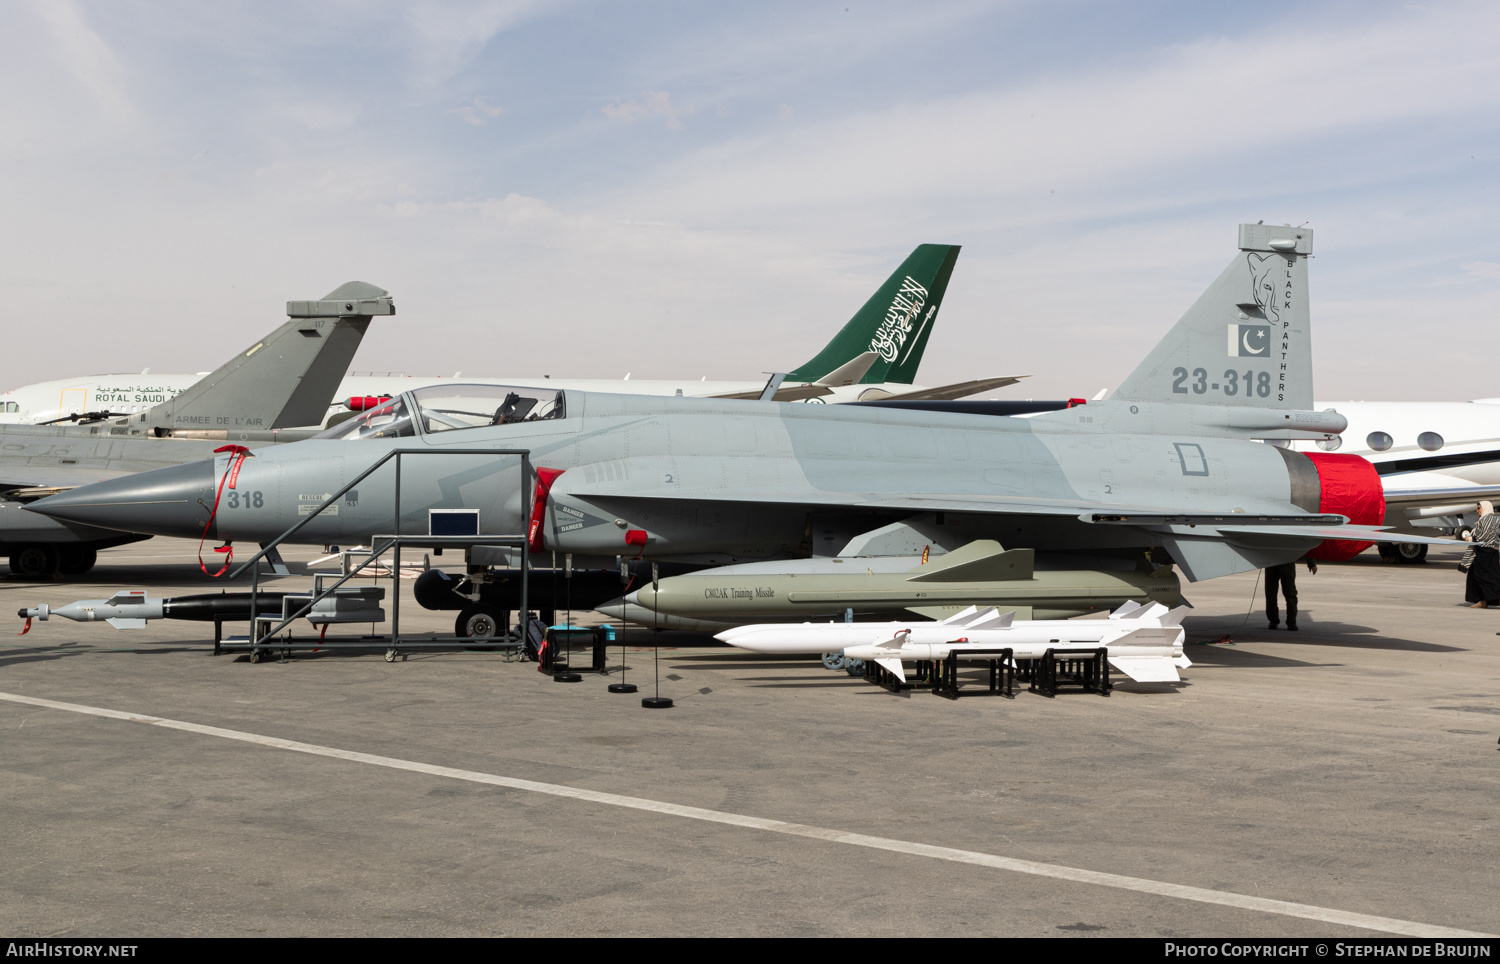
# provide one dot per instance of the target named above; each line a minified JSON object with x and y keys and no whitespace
{"x":237,"y":456}
{"x":544,"y":480}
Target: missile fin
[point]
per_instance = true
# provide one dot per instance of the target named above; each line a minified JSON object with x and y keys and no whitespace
{"x":994,"y":620}
{"x":127,"y":597}
{"x":892,"y":666}
{"x":961,"y":618}
{"x":1127,"y":608}
{"x":1157,"y":669}
{"x":125,"y":622}
{"x":982,"y":560}
{"x":1174,"y":618}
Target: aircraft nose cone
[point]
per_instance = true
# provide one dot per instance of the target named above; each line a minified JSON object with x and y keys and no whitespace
{"x":174,"y":501}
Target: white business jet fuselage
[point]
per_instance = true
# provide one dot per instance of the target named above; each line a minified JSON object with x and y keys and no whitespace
{"x":1436,"y":459}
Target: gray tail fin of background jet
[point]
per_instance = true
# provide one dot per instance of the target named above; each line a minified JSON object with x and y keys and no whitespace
{"x":284,"y":380}
{"x":895,"y":323}
{"x":1247,"y":341}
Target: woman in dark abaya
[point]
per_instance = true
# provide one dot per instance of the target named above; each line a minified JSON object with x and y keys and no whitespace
{"x":1482,"y":560}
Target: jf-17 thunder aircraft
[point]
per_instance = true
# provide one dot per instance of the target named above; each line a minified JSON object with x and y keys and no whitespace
{"x":264,"y":393}
{"x":281,"y":388}
{"x":1172,"y":463}
{"x":874,"y":356}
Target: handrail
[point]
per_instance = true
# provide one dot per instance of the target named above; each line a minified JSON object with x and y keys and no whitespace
{"x":317,"y":597}
{"x":393,"y":453}
{"x":394,"y":542}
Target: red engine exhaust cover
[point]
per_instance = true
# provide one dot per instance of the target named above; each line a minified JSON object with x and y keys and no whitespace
{"x":1349,"y":486}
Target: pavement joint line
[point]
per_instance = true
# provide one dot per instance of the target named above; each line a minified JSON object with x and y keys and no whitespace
{"x":1388,"y":925}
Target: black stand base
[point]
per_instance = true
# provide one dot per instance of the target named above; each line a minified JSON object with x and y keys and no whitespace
{"x":656,"y":702}
{"x":566,"y":678}
{"x":622,"y":687}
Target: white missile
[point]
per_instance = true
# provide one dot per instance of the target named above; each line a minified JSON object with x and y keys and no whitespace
{"x":1143,"y":641}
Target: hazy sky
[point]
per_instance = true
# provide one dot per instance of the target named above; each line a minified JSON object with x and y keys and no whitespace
{"x":589,"y":189}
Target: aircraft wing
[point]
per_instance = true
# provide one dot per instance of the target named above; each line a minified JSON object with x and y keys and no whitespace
{"x":1229,"y":525}
{"x":958,"y":389}
{"x":1457,"y":498}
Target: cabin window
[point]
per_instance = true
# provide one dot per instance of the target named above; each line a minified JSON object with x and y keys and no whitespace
{"x":1429,"y":441}
{"x":1330,"y":444}
{"x":1378,"y":441}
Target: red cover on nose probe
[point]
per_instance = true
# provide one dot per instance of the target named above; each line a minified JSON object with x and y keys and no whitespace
{"x":1350,"y":486}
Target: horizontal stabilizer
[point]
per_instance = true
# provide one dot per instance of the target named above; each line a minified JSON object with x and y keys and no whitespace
{"x":1467,"y":496}
{"x":1355,"y":533}
{"x":1151,"y":669}
{"x":983,"y":560}
{"x":955,"y":390}
{"x":784,"y":393}
{"x":851,"y":372}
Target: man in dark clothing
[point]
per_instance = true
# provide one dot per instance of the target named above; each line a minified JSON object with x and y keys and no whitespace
{"x":1285,"y":576}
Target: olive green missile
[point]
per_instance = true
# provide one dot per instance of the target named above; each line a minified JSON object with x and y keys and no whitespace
{"x":982,"y":573}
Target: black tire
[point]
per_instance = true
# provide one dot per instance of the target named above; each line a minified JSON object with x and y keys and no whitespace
{"x":76,"y":560}
{"x":480,"y":621}
{"x":1387,"y":550}
{"x":34,"y":562}
{"x":1410,"y":553}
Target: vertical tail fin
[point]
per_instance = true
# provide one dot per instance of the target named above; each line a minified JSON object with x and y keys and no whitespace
{"x":286,"y":379}
{"x":1246,"y":342}
{"x":896,"y":322}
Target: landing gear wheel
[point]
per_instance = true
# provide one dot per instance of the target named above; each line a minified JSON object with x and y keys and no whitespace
{"x":834,"y":661}
{"x":479,"y":621}
{"x":1411,"y":553}
{"x":34,"y":562}
{"x":1387,"y":551}
{"x":76,"y":560}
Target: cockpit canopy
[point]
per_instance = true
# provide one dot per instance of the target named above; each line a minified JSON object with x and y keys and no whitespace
{"x":448,"y":408}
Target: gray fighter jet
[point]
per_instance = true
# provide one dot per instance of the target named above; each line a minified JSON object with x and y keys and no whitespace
{"x":1172,"y":461}
{"x":261,"y":395}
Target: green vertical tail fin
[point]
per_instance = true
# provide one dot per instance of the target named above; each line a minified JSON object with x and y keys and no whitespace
{"x":896,"y":322}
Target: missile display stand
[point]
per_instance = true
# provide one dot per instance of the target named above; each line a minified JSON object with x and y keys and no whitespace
{"x":1084,"y":668}
{"x":1002,"y":667}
